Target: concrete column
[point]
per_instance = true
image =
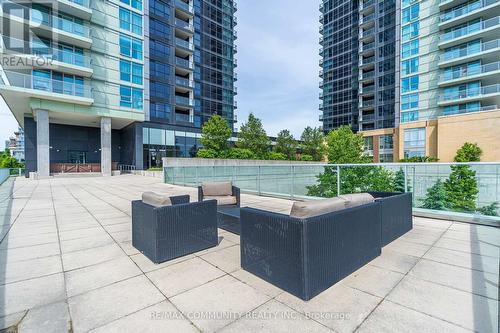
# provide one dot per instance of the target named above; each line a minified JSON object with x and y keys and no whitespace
{"x":106,"y":146}
{"x":42,"y":143}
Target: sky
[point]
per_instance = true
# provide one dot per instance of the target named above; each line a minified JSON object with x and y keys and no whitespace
{"x":278,"y":65}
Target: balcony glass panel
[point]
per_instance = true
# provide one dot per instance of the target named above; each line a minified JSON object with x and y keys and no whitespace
{"x":470,"y":28}
{"x":465,"y":9}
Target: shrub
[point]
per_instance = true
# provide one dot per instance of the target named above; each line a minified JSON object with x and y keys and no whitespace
{"x":306,"y":157}
{"x":207,"y":153}
{"x":240,"y":154}
{"x":276,"y":156}
{"x":490,"y":210}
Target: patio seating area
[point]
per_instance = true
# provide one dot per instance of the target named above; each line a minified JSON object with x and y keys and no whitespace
{"x":67,"y":263}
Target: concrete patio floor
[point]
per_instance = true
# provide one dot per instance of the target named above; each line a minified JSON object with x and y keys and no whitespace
{"x":67,"y":263}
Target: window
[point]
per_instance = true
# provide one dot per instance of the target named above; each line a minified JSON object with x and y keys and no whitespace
{"x":411,"y":13}
{"x":410,"y":31}
{"x":385,"y":142}
{"x":130,"y":72}
{"x":414,"y":142}
{"x":131,"y":97}
{"x":409,"y":66}
{"x":124,"y":19}
{"x":131,"y":47}
{"x":130,"y":21}
{"x":409,"y":101}
{"x":136,"y":73}
{"x":409,"y":116}
{"x":137,"y":4}
{"x":159,"y":8}
{"x":406,"y":3}
{"x":409,"y":84}
{"x":409,"y":49}
{"x":125,"y":70}
{"x":368,"y":144}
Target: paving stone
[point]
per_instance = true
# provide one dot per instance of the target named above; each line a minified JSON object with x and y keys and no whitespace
{"x":162,"y":317}
{"x":225,"y":298}
{"x":11,"y":320}
{"x":275,"y":317}
{"x":180,"y":277}
{"x":482,"y":248}
{"x":257,"y":283}
{"x":101,"y":306}
{"x":409,"y":248}
{"x":99,"y":275}
{"x":472,"y":281}
{"x":29,"y":252}
{"x":87,"y":257}
{"x":48,"y":318}
{"x":23,"y":295}
{"x":29,"y":269}
{"x":84,"y":243}
{"x":340,"y":308}
{"x":461,"y":308}
{"x":392,"y":318}
{"x":394,"y":261}
{"x":147,"y":265}
{"x":226,"y":259}
{"x":463,"y":259}
{"x":373,"y":280}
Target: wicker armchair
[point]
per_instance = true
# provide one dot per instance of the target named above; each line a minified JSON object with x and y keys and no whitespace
{"x":165,"y":233}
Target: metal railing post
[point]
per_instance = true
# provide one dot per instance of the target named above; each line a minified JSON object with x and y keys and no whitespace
{"x":338,"y":180}
{"x":406,"y":178}
{"x":292,"y":171}
{"x":258,"y":179}
{"x":196,"y":175}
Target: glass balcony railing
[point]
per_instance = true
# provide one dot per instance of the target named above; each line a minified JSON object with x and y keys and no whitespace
{"x":367,"y":75}
{"x":367,"y":89}
{"x":183,"y":43}
{"x":466,"y":72}
{"x":184,"y":6}
{"x":367,"y":104}
{"x":472,"y":28}
{"x":367,"y":4}
{"x":367,"y":47}
{"x":185,"y":118}
{"x":366,"y":33}
{"x":471,"y":92}
{"x":466,"y":9}
{"x":183,"y":24}
{"x":181,"y":100}
{"x":369,"y":60}
{"x":29,"y":81}
{"x":183,"y":63}
{"x":84,"y":3}
{"x":469,"y":110}
{"x":180,"y":81}
{"x":470,"y":50}
{"x":17,"y":46}
{"x":367,"y":18}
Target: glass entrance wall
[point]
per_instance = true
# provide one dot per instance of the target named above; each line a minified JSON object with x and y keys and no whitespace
{"x":159,"y":143}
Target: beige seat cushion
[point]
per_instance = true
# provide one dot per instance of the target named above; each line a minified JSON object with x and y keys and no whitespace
{"x":155,"y":199}
{"x":217,"y":189}
{"x":357,"y":199}
{"x":317,"y":207}
{"x":222,"y":199}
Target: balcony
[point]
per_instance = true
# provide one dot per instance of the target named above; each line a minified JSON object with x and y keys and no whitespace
{"x":78,"y":8}
{"x":466,"y":11}
{"x":321,"y":73}
{"x":367,"y":104}
{"x":184,"y":101}
{"x":368,"y":89}
{"x":320,"y":118}
{"x":183,"y":118}
{"x":183,"y":82}
{"x":367,"y":33}
{"x":363,"y":5}
{"x":184,"y":44}
{"x":470,"y":73}
{"x":470,"y":110}
{"x":483,"y":29}
{"x":471,"y":94}
{"x":184,"y":7}
{"x":491,"y":46}
{"x":366,"y":75}
{"x":366,"y":19}
{"x":367,"y":61}
{"x":46,"y":88}
{"x":184,"y":25}
{"x":367,"y":47}
{"x":54,"y":58}
{"x":367,"y":117}
{"x":184,"y":63}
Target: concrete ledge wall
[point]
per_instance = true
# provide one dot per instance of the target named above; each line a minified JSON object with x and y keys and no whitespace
{"x":154,"y":174}
{"x":175,"y":161}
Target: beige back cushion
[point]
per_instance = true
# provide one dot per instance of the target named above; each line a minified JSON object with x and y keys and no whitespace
{"x":357,"y":199}
{"x":217,"y":189}
{"x":155,"y":199}
{"x":317,"y":207}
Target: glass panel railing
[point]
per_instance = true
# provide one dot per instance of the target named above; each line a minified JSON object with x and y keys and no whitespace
{"x":470,"y":71}
{"x":471,"y":49}
{"x":366,"y":33}
{"x":183,"y":82}
{"x":367,"y":4}
{"x":369,"y":60}
{"x":183,"y":43}
{"x":464,"y":10}
{"x":185,"y":118}
{"x":367,"y":18}
{"x":472,"y":28}
{"x":367,"y":47}
{"x":471,"y":92}
{"x":29,"y":81}
{"x":367,"y":75}
{"x":184,"y":6}
{"x":300,"y":181}
{"x":183,"y":100}
{"x":469,"y":110}
{"x":183,"y":24}
{"x":84,"y":3}
{"x":17,"y":46}
{"x":183,"y":63}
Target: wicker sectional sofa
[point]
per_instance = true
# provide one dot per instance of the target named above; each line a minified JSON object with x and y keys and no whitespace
{"x":305,"y":256}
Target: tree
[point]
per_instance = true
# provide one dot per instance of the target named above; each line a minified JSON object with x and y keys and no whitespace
{"x":312,"y":143}
{"x":240,"y":154}
{"x":461,"y":186}
{"x":286,"y":144}
{"x":272,"y":155}
{"x":419,"y":159}
{"x":489,"y":210}
{"x":399,"y":182}
{"x":435,"y":197}
{"x":8,"y":161}
{"x":343,"y":146}
{"x":252,"y":136}
{"x":214,"y":135}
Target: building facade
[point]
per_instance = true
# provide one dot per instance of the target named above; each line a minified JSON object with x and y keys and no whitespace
{"x":449,"y":71}
{"x":360,"y":71}
{"x":15,"y":145}
{"x":100,"y":81}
